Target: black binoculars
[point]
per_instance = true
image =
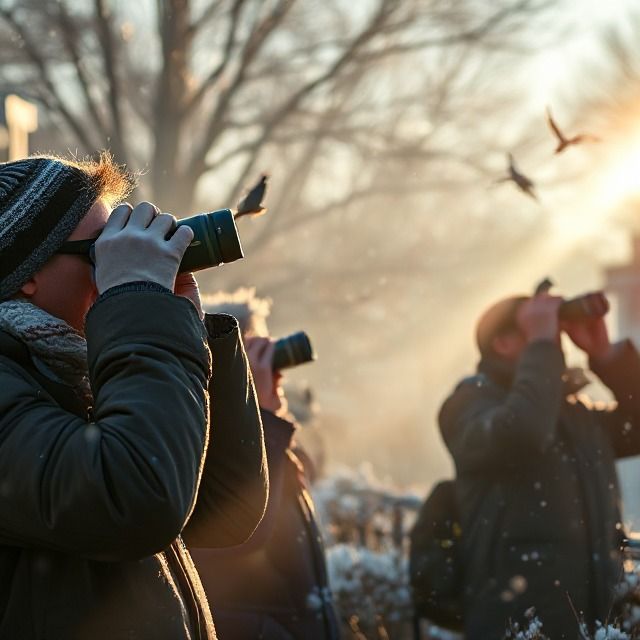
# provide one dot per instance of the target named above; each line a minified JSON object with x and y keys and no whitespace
{"x":215,"y":241}
{"x":291,"y":351}
{"x":588,"y":305}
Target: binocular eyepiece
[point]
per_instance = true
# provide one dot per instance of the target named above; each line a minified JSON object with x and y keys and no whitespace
{"x":292,"y":350}
{"x":215,"y":241}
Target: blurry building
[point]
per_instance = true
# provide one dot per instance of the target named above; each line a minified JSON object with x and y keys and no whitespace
{"x":622,"y":283}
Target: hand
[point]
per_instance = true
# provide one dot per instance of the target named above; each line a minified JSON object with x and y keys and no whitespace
{"x":133,"y":246}
{"x":187,"y":287}
{"x":265,"y":380}
{"x":538,"y":317}
{"x":590,"y":335}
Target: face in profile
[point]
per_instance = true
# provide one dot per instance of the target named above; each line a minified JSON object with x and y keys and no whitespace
{"x":64,"y":286}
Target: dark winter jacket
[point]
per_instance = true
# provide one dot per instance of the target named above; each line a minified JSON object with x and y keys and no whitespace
{"x":274,"y":587}
{"x":91,"y":507}
{"x":537,"y":489}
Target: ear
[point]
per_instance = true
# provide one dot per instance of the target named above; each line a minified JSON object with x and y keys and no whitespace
{"x":29,"y":288}
{"x":505,"y":345}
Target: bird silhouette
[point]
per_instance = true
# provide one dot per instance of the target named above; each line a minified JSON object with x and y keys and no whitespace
{"x":543,"y":286}
{"x":563,"y":141}
{"x":519,"y":179}
{"x":251,"y":204}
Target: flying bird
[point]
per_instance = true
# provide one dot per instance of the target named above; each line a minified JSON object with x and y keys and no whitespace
{"x":563,"y":141}
{"x":251,"y":204}
{"x":519,"y":179}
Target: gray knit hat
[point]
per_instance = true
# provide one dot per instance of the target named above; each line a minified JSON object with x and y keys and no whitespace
{"x":42,"y":200}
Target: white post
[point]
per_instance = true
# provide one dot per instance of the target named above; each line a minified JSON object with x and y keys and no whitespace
{"x":22,"y":119}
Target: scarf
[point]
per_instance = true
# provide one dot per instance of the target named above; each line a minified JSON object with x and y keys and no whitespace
{"x":57,"y":349}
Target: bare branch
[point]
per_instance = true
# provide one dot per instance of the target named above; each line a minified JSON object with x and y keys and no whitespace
{"x":384,"y":11}
{"x":207,"y":14}
{"x":40,"y":64}
{"x":253,"y":45}
{"x":70,"y":37}
{"x":210,"y":81}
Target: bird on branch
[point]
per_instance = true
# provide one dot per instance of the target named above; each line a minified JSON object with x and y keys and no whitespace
{"x":564,"y":141}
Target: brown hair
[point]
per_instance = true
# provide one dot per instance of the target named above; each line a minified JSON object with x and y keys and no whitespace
{"x":112,"y":182}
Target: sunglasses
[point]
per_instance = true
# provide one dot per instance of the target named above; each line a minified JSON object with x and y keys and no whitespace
{"x":84,"y":249}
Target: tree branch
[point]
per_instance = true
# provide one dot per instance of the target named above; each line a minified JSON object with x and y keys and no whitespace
{"x":385,"y":9}
{"x":230,"y":42}
{"x":41,"y":66}
{"x":251,"y":49}
{"x":207,"y":13}
{"x":70,"y":37}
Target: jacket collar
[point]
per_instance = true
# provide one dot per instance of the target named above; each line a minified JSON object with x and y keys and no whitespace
{"x":502,"y":372}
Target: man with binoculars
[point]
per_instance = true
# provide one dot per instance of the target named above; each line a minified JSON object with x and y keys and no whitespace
{"x":536,"y":483}
{"x":105,"y":386}
{"x":274,"y":586}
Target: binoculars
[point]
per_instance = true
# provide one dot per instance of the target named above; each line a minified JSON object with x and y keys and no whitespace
{"x":291,"y":351}
{"x":588,"y":305}
{"x":215,"y":241}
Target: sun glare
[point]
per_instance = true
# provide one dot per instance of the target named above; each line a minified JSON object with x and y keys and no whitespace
{"x":621,"y":179}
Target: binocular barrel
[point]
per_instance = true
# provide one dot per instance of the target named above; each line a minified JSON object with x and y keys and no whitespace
{"x":589,"y":305}
{"x":215,"y":241}
{"x":292,"y":350}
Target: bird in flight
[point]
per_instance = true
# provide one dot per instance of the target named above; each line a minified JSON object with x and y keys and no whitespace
{"x":251,"y":204}
{"x":563,"y":141}
{"x":514,"y":175}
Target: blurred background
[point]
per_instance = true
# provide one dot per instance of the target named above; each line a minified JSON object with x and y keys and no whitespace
{"x":384,"y":126}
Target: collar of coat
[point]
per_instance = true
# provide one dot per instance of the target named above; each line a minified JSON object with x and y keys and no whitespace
{"x":502,"y":372}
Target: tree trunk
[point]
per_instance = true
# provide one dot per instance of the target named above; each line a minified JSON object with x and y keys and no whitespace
{"x":171,"y":192}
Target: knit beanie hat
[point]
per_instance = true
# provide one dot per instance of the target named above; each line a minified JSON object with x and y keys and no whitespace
{"x":42,"y":200}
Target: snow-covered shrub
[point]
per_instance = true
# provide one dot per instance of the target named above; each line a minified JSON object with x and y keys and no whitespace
{"x":365,"y":526}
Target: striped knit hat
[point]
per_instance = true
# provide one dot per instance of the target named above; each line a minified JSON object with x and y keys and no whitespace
{"x":42,"y":200}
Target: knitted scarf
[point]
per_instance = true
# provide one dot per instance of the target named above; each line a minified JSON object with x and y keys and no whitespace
{"x":57,"y":349}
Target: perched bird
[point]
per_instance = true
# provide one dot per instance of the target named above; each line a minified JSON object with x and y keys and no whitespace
{"x":563,"y":141}
{"x":521,"y":181}
{"x":251,"y":204}
{"x":543,"y":286}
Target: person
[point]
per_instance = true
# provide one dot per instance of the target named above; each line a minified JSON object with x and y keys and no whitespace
{"x":536,"y":483}
{"x":273,"y":587}
{"x":105,"y":380}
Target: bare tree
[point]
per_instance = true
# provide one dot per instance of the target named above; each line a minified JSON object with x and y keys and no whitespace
{"x":381,"y":122}
{"x":193,"y":90}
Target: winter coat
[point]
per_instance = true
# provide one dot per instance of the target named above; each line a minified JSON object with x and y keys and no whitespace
{"x":537,"y":489}
{"x":92,"y":507}
{"x":274,"y":587}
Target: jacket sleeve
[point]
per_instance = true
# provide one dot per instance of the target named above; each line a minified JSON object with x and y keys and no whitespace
{"x":483,"y":428}
{"x":119,"y":487}
{"x":278,"y":434}
{"x":234,"y":488}
{"x":622,"y":375}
